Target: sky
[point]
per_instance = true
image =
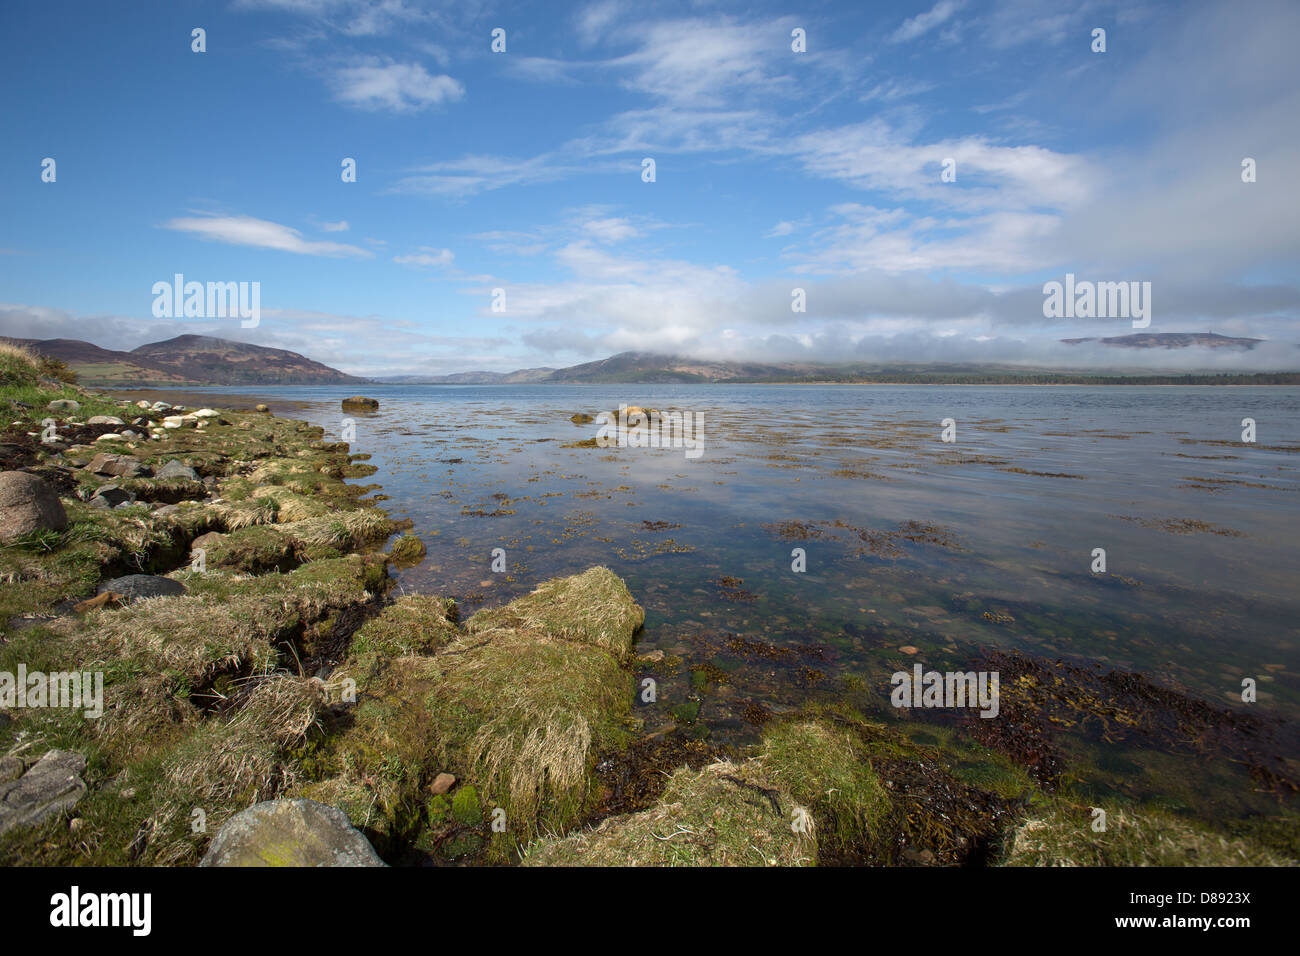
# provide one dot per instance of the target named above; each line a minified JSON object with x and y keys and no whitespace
{"x":524,"y":170}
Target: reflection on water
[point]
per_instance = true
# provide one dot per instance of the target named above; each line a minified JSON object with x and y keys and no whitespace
{"x":909,"y":542}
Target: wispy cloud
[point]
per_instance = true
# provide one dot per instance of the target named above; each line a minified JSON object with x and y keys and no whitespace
{"x":923,"y":23}
{"x":260,"y":234}
{"x":427,"y":256}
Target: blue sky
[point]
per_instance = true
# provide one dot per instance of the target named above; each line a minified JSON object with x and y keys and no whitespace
{"x":775,"y":170}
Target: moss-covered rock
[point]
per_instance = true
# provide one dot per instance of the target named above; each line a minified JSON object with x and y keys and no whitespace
{"x":408,"y":550}
{"x":593,"y":608}
{"x":726,"y":814}
{"x":809,"y":785}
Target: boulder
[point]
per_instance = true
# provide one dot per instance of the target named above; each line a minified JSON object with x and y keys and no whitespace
{"x":28,"y":504}
{"x":263,"y":408}
{"x":176,"y":469}
{"x":361,"y":402}
{"x":104,"y":420}
{"x":290,"y":833}
{"x":133,"y":587}
{"x":119,"y":466}
{"x":51,"y":786}
{"x":207,"y":413}
{"x":64,"y":405}
{"x":111,"y":496}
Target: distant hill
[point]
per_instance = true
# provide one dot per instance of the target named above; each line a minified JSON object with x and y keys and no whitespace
{"x":188,"y":360}
{"x":649,"y":368}
{"x":1172,"y":340}
{"x":522,"y":377}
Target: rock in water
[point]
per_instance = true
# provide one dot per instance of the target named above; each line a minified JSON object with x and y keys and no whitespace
{"x":28,"y":504}
{"x":361,"y":402}
{"x":290,"y":833}
{"x":53,"y":785}
{"x":136,"y":586}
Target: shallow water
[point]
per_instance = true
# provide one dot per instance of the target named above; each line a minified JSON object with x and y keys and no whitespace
{"x":1199,"y":530}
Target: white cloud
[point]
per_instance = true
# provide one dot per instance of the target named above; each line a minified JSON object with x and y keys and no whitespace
{"x":427,"y":256}
{"x":260,"y":234}
{"x":399,"y":87}
{"x":923,"y":23}
{"x":609,"y":230}
{"x":341,"y":226}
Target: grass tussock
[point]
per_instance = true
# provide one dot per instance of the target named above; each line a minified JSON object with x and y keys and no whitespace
{"x":1064,"y":836}
{"x":524,"y":717}
{"x":822,"y":767}
{"x":230,"y":763}
{"x":726,"y":814}
{"x":593,"y":608}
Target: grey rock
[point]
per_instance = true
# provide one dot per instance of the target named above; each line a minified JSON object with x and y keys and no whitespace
{"x":290,"y":833}
{"x":119,"y":466}
{"x":175,"y":469}
{"x":110,"y":496}
{"x":64,"y":405}
{"x":28,"y":504}
{"x":51,"y":786}
{"x":104,"y":420}
{"x":136,"y":586}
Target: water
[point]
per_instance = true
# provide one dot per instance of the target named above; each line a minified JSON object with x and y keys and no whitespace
{"x":909,"y":541}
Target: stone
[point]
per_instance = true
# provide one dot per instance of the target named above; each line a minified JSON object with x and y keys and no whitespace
{"x":263,"y":408}
{"x":442,"y":784}
{"x":290,"y":833}
{"x":28,"y":504}
{"x":11,"y":768}
{"x":160,"y":407}
{"x":104,"y":420}
{"x":205,"y":541}
{"x":64,"y":405}
{"x":176,"y":469}
{"x":361,"y":402}
{"x":207,"y":413}
{"x":119,"y":466}
{"x":908,"y":649}
{"x":52,"y":785}
{"x":110,"y":436}
{"x":142,"y":404}
{"x":111,"y":496}
{"x":133,"y":587}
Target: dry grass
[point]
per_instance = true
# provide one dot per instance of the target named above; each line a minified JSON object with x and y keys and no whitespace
{"x":344,"y":530}
{"x":226,"y":765}
{"x":523,"y":717}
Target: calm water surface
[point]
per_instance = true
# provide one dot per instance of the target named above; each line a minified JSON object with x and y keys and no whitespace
{"x":909,"y":541}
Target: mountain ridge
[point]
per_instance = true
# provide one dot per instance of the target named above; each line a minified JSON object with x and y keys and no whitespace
{"x":188,"y":360}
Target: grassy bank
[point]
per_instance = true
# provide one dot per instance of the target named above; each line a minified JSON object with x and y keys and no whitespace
{"x":285,"y":665}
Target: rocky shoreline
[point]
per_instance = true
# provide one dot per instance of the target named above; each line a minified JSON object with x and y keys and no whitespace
{"x":268,"y":697}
